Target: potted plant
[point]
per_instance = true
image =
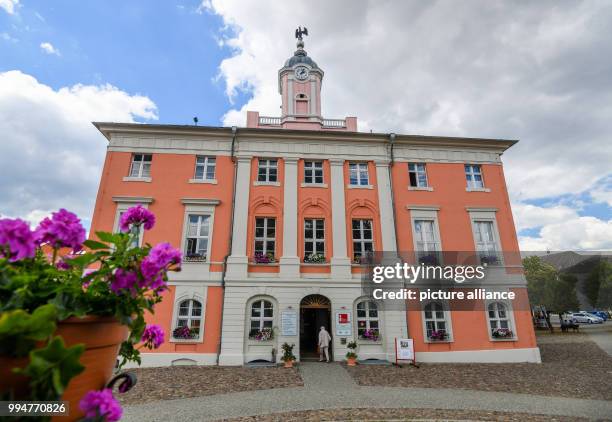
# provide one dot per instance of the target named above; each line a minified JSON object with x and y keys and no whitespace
{"x":502,"y":333}
{"x":264,"y":334}
{"x":489,"y":260}
{"x":288,"y":357}
{"x":314,"y":258}
{"x":351,"y":355}
{"x":439,"y":335}
{"x":260,"y":258}
{"x":185,"y":333}
{"x":370,"y":334}
{"x":70,"y":306}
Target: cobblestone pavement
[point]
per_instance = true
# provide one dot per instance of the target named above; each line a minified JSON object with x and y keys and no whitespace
{"x":328,"y":386}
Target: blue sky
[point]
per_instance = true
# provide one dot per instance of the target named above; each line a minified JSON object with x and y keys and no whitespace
{"x":541,"y":75}
{"x":168,"y":52}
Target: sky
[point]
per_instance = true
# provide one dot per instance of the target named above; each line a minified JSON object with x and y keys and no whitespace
{"x":539,"y":72}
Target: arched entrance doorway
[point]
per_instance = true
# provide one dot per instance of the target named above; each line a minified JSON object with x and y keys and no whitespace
{"x":315,"y":311}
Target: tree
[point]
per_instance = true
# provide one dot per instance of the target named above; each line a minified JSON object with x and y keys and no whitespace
{"x":598,"y":285}
{"x":546,"y":286}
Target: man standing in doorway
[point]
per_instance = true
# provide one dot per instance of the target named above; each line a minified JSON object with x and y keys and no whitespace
{"x":324,"y":339}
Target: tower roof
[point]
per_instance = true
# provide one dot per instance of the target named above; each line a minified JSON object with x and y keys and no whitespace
{"x":300,"y":56}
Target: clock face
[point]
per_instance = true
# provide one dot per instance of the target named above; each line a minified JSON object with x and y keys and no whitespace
{"x":301,"y":73}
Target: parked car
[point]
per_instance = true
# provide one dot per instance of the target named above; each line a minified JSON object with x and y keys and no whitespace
{"x":601,"y":314}
{"x":583,"y":317}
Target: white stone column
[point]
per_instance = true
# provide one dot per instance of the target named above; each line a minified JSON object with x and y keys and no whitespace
{"x":290,"y":262}
{"x":340,"y":262}
{"x":237,"y":262}
{"x":387,"y":222}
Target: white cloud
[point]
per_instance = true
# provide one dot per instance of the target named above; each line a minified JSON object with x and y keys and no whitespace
{"x":586,"y":233}
{"x":9,"y":6}
{"x":7,"y":37}
{"x":531,"y":216}
{"x":48,"y":48}
{"x":50,"y":154}
{"x":540,"y":75}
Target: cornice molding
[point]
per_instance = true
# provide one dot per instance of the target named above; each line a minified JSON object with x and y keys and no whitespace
{"x":133,"y":199}
{"x":200,"y":201}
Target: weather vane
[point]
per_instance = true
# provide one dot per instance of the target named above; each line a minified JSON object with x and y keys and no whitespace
{"x":299,"y":32}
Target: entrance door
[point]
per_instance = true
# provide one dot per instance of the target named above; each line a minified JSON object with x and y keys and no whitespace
{"x":315,"y":312}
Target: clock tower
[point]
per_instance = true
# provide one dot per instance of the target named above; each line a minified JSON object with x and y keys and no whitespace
{"x":299,"y":83}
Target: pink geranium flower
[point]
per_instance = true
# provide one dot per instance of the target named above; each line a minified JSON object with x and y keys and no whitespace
{"x":16,"y":240}
{"x":137,"y":216}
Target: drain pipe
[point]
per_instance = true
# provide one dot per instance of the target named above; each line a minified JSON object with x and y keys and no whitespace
{"x":231,"y":231}
{"x":391,"y":162}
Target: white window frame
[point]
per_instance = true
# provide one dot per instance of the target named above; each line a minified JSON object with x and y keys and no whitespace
{"x":265,"y":239}
{"x":311,"y":170}
{"x":368,"y":319}
{"x":362,"y":240}
{"x":141,"y":174}
{"x":201,"y":219}
{"x":422,"y":246}
{"x":314,"y":239}
{"x":261,"y":301}
{"x":471,"y":171}
{"x":205,"y":162}
{"x":182,"y":293}
{"x":446,"y":319}
{"x":417,"y":171}
{"x":267,"y":164}
{"x":204,"y":207}
{"x":425,"y":213}
{"x":486,"y":215}
{"x":361,"y":171}
{"x":123,"y":204}
{"x":509,"y":318}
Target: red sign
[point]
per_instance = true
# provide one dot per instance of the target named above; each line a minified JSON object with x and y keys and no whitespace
{"x":343,"y":318}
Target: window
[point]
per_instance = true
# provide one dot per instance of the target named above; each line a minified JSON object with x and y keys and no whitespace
{"x":141,"y":165}
{"x":417,"y":175}
{"x":473,"y":175}
{"x":435,"y":321}
{"x":498,"y":316}
{"x":367,"y":320}
{"x":262,"y":317}
{"x":267,"y":170}
{"x":189,"y":315}
{"x":426,"y":240}
{"x":358,"y":174}
{"x":265,"y":235}
{"x":313,"y":172}
{"x":314,"y":237}
{"x":196,"y":242}
{"x":486,"y":245}
{"x":205,"y":168}
{"x":363,"y":245}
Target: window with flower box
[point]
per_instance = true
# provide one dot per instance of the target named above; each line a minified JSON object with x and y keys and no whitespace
{"x":262,"y":320}
{"x":314,"y":240}
{"x":265,"y":240}
{"x":141,"y":165}
{"x":189,"y":320}
{"x":436,"y":324}
{"x":197,"y":238}
{"x":363,"y":242}
{"x":499,"y":321}
{"x":267,"y":170}
{"x":367,"y":321}
{"x":205,"y":168}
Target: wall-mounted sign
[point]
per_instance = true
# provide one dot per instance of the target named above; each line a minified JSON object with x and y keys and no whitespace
{"x":404,"y":349}
{"x":289,"y":323}
{"x":344,"y":324}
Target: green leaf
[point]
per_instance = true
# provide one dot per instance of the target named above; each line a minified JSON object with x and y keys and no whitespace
{"x":108,"y":237}
{"x":19,"y":330}
{"x":95,"y":245}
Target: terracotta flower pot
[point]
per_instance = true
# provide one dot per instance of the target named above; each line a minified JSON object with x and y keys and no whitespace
{"x":102,"y":337}
{"x":288,"y":364}
{"x":351,"y":361}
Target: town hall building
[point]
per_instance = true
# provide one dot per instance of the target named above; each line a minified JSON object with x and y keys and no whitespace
{"x":275,"y":221}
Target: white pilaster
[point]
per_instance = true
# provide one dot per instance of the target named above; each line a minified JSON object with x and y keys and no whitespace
{"x":237,"y":262}
{"x":340,"y":262}
{"x":290,"y":262}
{"x":385,"y":204}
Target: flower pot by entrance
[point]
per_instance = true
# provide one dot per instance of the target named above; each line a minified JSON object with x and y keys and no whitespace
{"x":102,"y":337}
{"x":351,"y":361}
{"x":289,"y":364}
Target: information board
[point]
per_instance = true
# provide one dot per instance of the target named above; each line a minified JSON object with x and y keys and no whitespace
{"x":289,"y":323}
{"x":404,"y":349}
{"x":344,"y":324}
